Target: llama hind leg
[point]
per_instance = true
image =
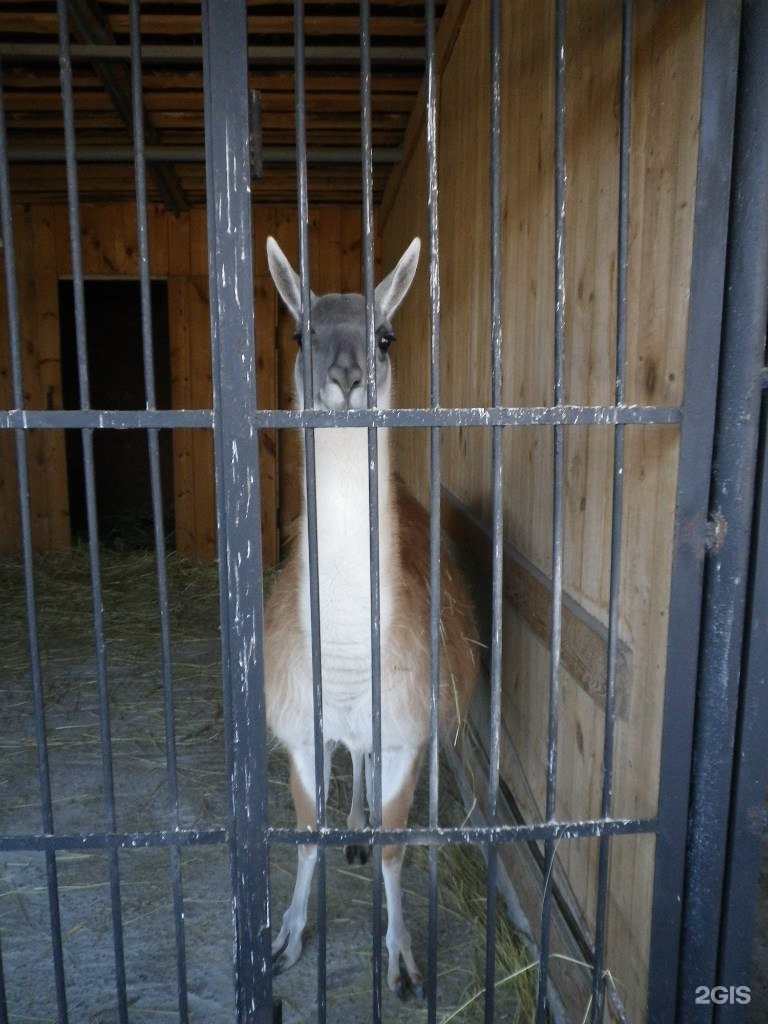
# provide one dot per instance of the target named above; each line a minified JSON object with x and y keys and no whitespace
{"x":355,"y":852}
{"x":286,"y":947}
{"x":400,"y":771}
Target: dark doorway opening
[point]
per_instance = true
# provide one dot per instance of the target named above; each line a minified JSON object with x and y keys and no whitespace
{"x":116,"y":381}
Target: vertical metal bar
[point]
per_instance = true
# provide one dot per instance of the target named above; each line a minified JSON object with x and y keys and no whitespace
{"x":65,"y":68}
{"x":434,"y":497}
{"x":733,"y":479}
{"x":718,"y":89}
{"x":557,"y":501}
{"x":617,"y":506}
{"x":747,"y":820}
{"x":3,"y":1000}
{"x":366,"y":148}
{"x":311,"y":495}
{"x":225,"y":79}
{"x":157,"y":503}
{"x":244,"y":915}
{"x":497,"y":498}
{"x":747,"y":826}
{"x":25,"y":516}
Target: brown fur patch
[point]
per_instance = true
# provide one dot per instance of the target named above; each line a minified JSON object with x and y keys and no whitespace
{"x":405,"y":645}
{"x":458,"y":632}
{"x":394,"y":814}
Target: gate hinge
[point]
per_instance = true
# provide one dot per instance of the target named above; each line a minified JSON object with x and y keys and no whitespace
{"x":715,"y":532}
{"x":254,"y":133}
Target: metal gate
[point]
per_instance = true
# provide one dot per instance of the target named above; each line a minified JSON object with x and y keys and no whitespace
{"x":705,"y":832}
{"x":728,"y":779}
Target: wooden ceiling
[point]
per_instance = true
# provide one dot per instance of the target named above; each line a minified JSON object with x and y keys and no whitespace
{"x":173,"y":96}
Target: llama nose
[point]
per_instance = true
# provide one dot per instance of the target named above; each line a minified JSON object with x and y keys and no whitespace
{"x":347,"y":377}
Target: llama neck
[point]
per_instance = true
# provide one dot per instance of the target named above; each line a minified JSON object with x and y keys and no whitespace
{"x":343,"y":529}
{"x":341,"y":474}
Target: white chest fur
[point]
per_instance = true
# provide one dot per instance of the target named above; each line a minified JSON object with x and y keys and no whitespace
{"x":344,"y":560}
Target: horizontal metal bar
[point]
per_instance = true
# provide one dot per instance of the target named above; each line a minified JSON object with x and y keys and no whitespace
{"x":61,"y":419}
{"x":471,"y":417}
{"x":507,"y":416}
{"x":261,"y":55}
{"x":277,"y":156}
{"x":107,"y":419}
{"x":589,"y":828}
{"x":466,"y":835}
{"x":115,"y":840}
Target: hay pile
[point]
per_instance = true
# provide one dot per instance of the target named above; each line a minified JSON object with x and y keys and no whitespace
{"x":132,"y":637}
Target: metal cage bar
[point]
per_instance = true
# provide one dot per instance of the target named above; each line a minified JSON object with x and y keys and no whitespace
{"x":3,"y":1000}
{"x":238,"y":510}
{"x":302,"y":199}
{"x":280,"y":419}
{"x":153,"y":442}
{"x":726,"y":573}
{"x":376,"y":808}
{"x":557,"y":497}
{"x":497,"y":500}
{"x":148,"y":839}
{"x":25,"y":515}
{"x":433,"y":238}
{"x":617,"y":505}
{"x":110,"y":813}
{"x":557,"y":830}
{"x":718,"y":90}
{"x":748,"y":821}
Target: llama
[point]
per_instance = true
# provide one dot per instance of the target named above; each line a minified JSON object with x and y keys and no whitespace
{"x":338,"y":352}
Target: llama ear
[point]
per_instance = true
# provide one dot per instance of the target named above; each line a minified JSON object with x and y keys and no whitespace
{"x":392,"y":290}
{"x":285,"y":277}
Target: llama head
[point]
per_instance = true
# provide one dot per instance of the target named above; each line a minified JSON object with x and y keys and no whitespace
{"x":337,"y":346}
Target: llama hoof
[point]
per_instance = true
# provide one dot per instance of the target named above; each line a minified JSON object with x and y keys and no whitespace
{"x":285,"y":953}
{"x":356,"y":854}
{"x":281,"y":963}
{"x":407,"y":983}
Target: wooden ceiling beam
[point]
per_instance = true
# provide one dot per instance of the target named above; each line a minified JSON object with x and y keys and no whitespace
{"x":172,"y":105}
{"x":274,"y":155}
{"x":92,"y":29}
{"x":267,"y":56}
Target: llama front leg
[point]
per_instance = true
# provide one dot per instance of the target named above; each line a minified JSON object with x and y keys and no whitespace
{"x":357,"y":819}
{"x":399,"y":773}
{"x":403,"y":976}
{"x":286,"y":948}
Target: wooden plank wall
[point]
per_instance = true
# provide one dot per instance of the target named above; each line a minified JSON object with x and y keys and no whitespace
{"x":38,"y":299}
{"x":178,"y":253}
{"x":665,"y":96}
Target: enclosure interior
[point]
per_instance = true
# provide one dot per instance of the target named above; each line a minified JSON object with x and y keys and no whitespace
{"x":666,"y":62}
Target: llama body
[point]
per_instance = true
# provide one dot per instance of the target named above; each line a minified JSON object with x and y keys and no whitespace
{"x":341,"y":458}
{"x":344,"y":577}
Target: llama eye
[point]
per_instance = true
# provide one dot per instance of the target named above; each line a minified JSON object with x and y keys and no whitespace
{"x":385,"y":341}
